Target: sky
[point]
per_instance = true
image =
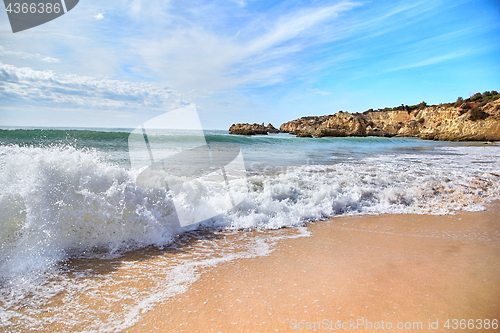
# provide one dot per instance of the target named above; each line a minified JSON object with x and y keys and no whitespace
{"x":120,"y":63}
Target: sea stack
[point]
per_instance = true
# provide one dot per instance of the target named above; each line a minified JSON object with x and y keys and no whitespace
{"x":252,"y":129}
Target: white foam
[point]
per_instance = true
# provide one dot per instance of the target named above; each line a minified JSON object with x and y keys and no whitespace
{"x":55,"y":200}
{"x":138,"y":287}
{"x":60,"y":199}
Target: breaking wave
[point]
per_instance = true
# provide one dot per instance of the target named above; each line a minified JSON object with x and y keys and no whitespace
{"x":58,"y":201}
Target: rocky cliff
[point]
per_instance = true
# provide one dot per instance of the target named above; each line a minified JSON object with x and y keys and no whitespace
{"x":303,"y":125}
{"x":476,"y":118}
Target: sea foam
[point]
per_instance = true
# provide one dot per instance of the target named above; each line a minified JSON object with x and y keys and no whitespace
{"x":60,"y":200}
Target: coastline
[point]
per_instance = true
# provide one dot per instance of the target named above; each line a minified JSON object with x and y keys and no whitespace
{"x":393,"y":268}
{"x":474,"y":119}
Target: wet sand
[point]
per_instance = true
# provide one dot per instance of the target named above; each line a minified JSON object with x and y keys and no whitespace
{"x":402,"y":269}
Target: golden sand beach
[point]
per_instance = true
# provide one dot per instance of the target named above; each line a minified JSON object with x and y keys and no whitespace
{"x":418,"y":273}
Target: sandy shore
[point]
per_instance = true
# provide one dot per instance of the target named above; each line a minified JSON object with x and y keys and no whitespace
{"x":406,"y":270}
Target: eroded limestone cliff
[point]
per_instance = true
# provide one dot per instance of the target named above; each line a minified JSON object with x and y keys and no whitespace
{"x":477,"y":118}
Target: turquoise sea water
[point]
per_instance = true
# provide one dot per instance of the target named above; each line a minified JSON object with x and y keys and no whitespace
{"x":274,"y":149}
{"x":72,"y":193}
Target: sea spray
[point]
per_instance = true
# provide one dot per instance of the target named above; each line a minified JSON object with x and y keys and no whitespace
{"x":54,"y":200}
{"x":60,"y":200}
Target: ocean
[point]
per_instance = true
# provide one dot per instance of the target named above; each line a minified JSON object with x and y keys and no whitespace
{"x":86,"y":247}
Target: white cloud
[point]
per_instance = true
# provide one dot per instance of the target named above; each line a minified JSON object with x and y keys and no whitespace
{"x":241,"y":3}
{"x":48,"y":88}
{"x":320,"y":92}
{"x":194,"y":57}
{"x":27,"y":56}
{"x":99,"y":16}
{"x":432,"y":60}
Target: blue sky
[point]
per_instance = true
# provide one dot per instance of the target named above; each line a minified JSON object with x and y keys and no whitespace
{"x":120,"y":63}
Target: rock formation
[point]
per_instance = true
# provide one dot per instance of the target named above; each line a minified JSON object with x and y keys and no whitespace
{"x":385,"y":123}
{"x":271,"y":129}
{"x":343,"y":123}
{"x":247,"y":129}
{"x":303,"y":125}
{"x":477,"y":118}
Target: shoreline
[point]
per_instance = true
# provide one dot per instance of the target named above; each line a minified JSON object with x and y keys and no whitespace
{"x":474,"y":119}
{"x":423,"y":269}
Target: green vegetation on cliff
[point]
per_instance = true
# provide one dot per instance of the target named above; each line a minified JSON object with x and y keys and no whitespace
{"x":477,"y":99}
{"x":474,"y":118}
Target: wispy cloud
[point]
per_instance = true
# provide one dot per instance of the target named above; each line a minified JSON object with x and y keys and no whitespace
{"x":27,"y":56}
{"x":194,"y":56}
{"x":241,"y":3}
{"x":320,"y":92}
{"x":432,"y":60}
{"x":434,"y":50}
{"x":367,"y":48}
